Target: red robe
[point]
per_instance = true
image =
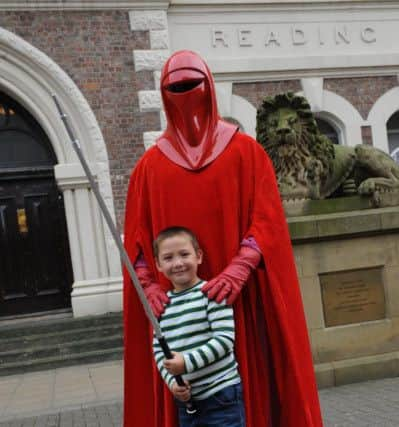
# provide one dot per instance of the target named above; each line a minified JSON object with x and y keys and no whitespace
{"x":233,"y":197}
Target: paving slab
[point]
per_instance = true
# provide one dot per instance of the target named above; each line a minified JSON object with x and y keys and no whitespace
{"x":50,"y":393}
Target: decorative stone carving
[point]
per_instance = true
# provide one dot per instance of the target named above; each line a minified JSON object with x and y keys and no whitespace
{"x":308,"y":165}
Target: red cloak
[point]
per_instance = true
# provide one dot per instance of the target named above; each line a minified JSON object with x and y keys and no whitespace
{"x":233,"y":197}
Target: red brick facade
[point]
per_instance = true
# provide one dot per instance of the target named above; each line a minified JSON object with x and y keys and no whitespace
{"x":256,"y":92}
{"x":361,"y":92}
{"x":96,"y":50}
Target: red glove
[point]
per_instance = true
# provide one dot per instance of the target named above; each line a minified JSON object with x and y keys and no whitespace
{"x":156,"y":296}
{"x":230,"y":281}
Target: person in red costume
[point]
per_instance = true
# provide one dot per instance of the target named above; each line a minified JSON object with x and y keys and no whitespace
{"x":203,"y":174}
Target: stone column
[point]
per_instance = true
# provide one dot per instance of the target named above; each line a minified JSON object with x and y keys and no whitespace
{"x":94,"y":289}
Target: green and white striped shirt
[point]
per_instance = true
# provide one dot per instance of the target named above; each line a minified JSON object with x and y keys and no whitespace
{"x":203,"y":332}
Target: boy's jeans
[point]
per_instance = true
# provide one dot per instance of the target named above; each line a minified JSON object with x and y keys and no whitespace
{"x":223,"y":409}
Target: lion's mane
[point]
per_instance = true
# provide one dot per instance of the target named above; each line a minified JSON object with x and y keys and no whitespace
{"x":310,"y":143}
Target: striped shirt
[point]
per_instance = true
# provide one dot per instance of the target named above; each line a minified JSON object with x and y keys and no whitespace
{"x":203,"y":332}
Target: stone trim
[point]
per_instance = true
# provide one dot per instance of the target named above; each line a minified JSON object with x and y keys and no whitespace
{"x":142,"y":20}
{"x":150,"y":100}
{"x":150,"y":138}
{"x":379,"y":114}
{"x":159,"y":39}
{"x":313,"y":92}
{"x":150,"y":59}
{"x":154,"y":21}
{"x":344,"y":115}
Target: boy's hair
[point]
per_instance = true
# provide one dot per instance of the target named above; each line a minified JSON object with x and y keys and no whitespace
{"x":171,"y":232}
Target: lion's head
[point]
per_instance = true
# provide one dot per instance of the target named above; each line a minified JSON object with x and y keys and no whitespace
{"x":301,"y":155}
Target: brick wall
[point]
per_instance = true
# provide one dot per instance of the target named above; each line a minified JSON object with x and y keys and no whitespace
{"x":256,"y":92}
{"x":361,"y":92}
{"x":96,"y":50}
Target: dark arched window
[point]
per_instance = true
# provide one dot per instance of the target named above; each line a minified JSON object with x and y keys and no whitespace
{"x":328,"y":130}
{"x":393,"y":136}
{"x":23,"y":144}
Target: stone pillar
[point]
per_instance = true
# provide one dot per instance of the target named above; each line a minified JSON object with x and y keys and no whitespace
{"x":94,"y":290}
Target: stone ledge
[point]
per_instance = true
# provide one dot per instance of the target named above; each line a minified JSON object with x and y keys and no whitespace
{"x":344,"y":224}
{"x":327,"y":206}
{"x":357,"y":370}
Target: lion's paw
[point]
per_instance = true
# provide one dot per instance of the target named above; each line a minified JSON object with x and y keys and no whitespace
{"x":367,"y":187}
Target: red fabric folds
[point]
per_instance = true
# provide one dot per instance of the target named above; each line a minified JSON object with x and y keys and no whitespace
{"x":233,"y":197}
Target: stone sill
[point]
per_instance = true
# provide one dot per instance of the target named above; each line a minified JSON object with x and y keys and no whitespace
{"x":343,"y":224}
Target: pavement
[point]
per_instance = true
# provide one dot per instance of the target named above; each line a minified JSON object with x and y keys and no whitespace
{"x":91,"y":396}
{"x":78,"y":396}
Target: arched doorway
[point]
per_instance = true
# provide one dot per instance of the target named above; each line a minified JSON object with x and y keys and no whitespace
{"x":35,"y":264}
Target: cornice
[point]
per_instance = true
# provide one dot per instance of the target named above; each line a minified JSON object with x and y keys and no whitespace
{"x":83,"y":5}
{"x":253,"y":77}
{"x":271,"y":2}
{"x":226,"y":6}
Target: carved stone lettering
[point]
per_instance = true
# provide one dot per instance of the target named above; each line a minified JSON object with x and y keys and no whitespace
{"x":245,"y":37}
{"x":353,"y":296}
{"x":298,"y":36}
{"x":321,"y":36}
{"x":219,"y":38}
{"x":341,"y":35}
{"x":294,"y":35}
{"x":368,"y":35}
{"x":272,"y":37}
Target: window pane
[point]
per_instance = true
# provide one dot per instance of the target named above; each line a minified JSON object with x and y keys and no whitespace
{"x":327,"y":130}
{"x":393,"y":136}
{"x":393,"y":122}
{"x":19,"y":149}
{"x":22,"y":141}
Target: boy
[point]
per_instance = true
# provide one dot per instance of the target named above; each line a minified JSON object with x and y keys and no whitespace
{"x":202,"y":334}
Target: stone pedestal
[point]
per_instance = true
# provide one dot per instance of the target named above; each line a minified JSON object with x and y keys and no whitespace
{"x":348,"y":267}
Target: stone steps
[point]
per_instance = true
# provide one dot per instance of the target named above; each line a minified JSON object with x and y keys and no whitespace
{"x":48,"y":344}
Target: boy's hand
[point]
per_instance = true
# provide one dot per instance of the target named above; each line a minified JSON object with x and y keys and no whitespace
{"x":183,"y":393}
{"x":176,"y":365}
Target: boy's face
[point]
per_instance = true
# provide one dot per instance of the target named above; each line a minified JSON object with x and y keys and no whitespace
{"x":178,"y":261}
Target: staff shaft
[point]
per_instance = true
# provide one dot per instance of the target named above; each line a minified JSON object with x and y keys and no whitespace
{"x":122,"y":251}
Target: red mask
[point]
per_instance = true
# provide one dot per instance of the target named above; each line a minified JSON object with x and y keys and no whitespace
{"x":195,"y":134}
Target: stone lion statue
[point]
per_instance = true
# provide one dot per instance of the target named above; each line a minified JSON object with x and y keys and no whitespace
{"x":308,"y":165}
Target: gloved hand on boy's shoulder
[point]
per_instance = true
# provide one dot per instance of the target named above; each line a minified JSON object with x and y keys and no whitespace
{"x":230,"y":281}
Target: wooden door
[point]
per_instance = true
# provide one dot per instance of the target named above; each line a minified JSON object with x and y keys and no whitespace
{"x":35,"y":267}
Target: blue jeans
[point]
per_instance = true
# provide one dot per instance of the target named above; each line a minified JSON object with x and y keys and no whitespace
{"x":223,"y":409}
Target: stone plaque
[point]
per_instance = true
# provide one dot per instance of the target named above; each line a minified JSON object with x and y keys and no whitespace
{"x":352,"y":296}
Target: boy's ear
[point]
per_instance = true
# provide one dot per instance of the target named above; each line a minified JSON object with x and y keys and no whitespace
{"x":200,"y":256}
{"x":157,"y":264}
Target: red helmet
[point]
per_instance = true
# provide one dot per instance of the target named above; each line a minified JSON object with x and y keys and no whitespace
{"x":195,"y":134}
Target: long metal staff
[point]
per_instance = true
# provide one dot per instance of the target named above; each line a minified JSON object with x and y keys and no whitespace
{"x":190,"y":408}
